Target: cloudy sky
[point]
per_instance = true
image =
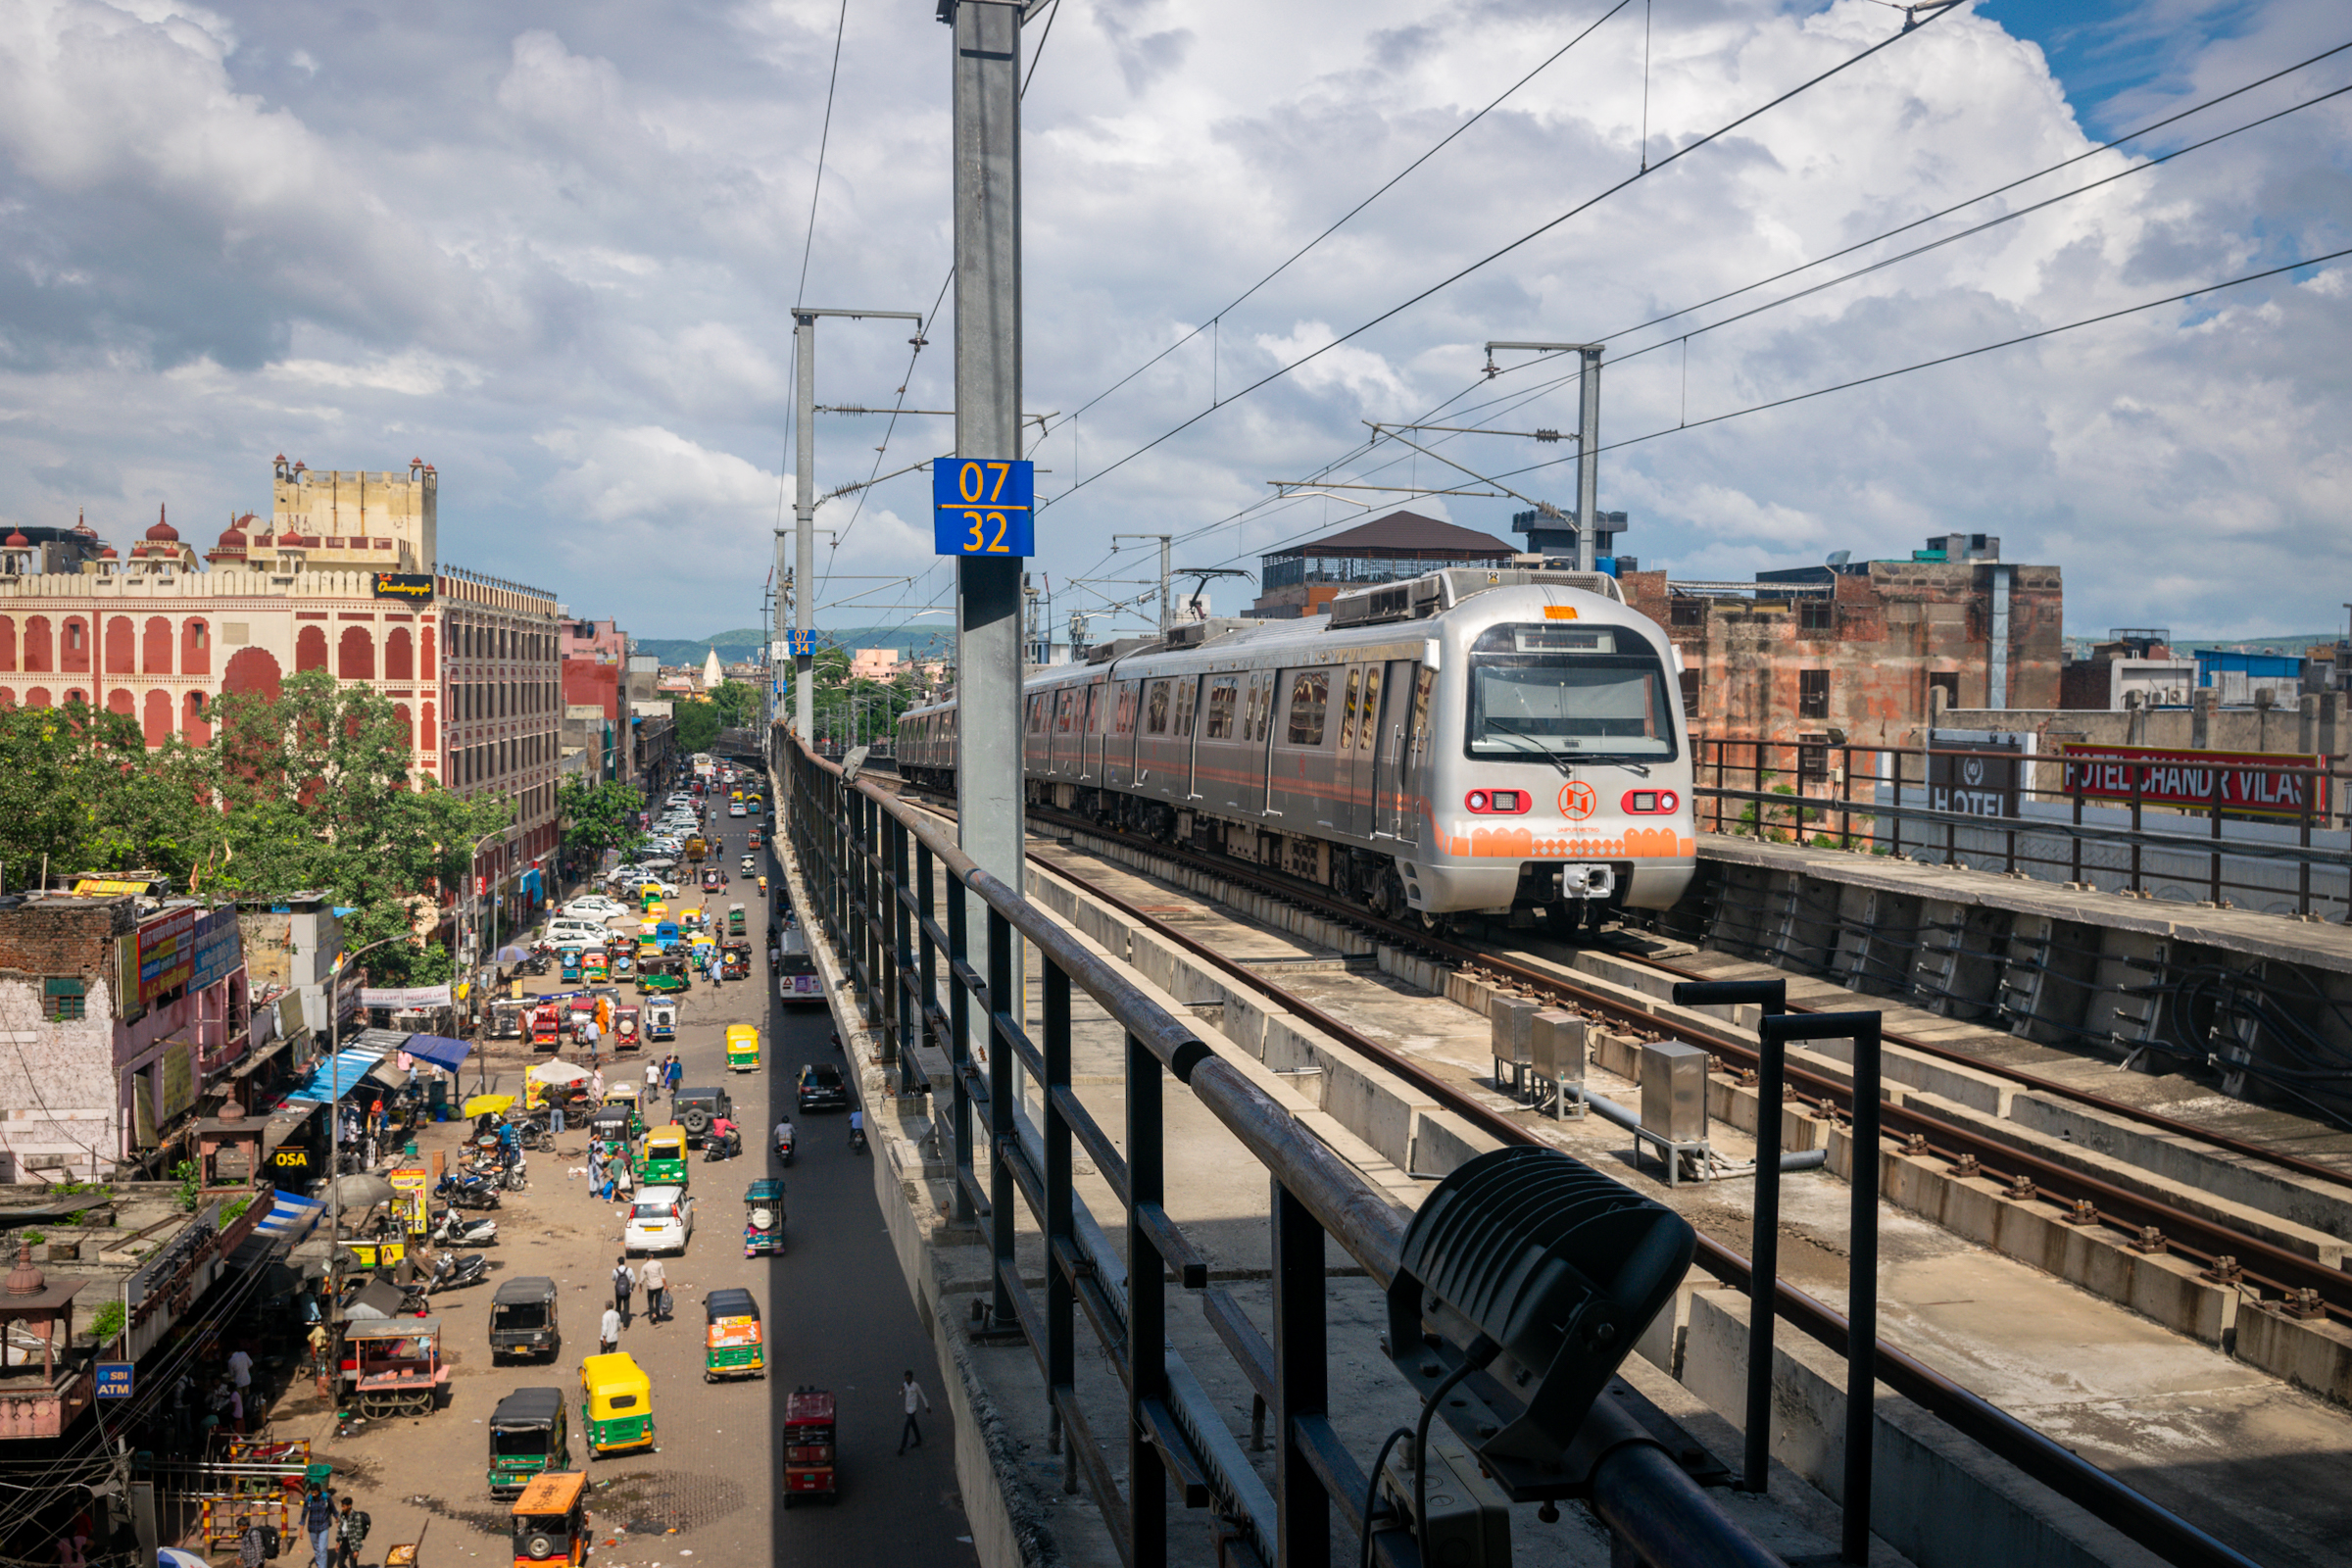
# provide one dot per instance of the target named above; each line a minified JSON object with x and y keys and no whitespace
{"x":553,"y":249}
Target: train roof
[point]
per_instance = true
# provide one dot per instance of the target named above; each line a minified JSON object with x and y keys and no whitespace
{"x":1398,"y":615}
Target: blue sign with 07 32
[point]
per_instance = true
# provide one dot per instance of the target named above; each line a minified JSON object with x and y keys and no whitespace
{"x":114,"y":1380}
{"x":982,"y":507}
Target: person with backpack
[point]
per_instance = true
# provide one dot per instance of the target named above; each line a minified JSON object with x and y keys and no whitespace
{"x":252,"y":1546}
{"x":625,"y":1283}
{"x":351,"y":1534}
{"x":318,"y":1522}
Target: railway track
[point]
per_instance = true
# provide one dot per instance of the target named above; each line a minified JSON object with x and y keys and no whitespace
{"x":2030,"y":1451}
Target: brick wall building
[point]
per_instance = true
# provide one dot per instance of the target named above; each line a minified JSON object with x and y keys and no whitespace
{"x":1859,"y":648}
{"x":121,"y":1018}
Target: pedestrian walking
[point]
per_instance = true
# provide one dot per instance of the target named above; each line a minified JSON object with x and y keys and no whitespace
{"x":318,"y":1368}
{"x":318,"y":1522}
{"x":653,"y":1082}
{"x":910,"y":1394}
{"x":591,"y":1034}
{"x":656,"y":1292}
{"x":599,"y":1179}
{"x":253,"y":1550}
{"x":240,"y":1369}
{"x":609,"y":1334}
{"x":625,"y":1283}
{"x":675,"y":1075}
{"x":351,"y":1534}
{"x":595,"y":1082}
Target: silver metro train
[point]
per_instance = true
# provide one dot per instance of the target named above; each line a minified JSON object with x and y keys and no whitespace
{"x":1501,"y":741}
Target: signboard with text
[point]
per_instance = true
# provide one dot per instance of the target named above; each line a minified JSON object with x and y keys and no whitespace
{"x":417,"y":586}
{"x":167,"y":954}
{"x":1981,"y":781}
{"x":219,"y":949}
{"x":2245,"y":783}
{"x":114,"y":1380}
{"x":983,"y":507}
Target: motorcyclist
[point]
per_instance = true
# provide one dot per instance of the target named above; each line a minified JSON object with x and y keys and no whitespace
{"x":782,"y":1138}
{"x":724,"y":1134}
{"x":857,"y":1128}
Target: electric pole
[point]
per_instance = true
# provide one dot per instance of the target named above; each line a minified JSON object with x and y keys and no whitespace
{"x":1167,"y":612}
{"x":802,"y":574}
{"x":988,"y":422}
{"x":1588,"y":447}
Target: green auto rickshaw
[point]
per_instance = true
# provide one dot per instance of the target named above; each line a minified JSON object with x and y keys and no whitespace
{"x":529,"y":1435}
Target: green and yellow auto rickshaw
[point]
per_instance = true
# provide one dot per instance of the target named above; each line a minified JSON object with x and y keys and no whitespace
{"x":529,"y":1437}
{"x":733,"y":1346}
{"x":616,"y":1404}
{"x":664,"y":1160}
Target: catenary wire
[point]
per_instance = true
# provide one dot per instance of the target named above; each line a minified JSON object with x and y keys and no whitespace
{"x":1497,"y":253}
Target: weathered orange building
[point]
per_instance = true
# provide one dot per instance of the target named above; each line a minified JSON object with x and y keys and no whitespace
{"x":1859,"y":648}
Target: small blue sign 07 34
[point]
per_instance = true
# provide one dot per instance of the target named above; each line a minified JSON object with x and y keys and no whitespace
{"x":982,"y":507}
{"x":114,"y":1380}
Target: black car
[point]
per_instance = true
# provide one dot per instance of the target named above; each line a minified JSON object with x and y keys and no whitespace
{"x":696,"y":1108}
{"x":821,"y":1088}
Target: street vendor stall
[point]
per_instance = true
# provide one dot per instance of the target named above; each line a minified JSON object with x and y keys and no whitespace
{"x":394,"y":1368}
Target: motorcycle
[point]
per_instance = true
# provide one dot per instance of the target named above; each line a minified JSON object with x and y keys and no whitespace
{"x":456,"y":1231}
{"x":727,"y":1148}
{"x":857,"y":1140}
{"x":518,"y":1177}
{"x":468,"y":1191}
{"x":783,"y":1145}
{"x":452,"y":1272}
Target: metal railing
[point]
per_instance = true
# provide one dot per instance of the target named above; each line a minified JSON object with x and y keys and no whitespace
{"x":875,"y":870}
{"x":2067,"y":825}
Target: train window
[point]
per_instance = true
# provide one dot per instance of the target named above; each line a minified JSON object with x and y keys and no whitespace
{"x":1187,"y":692}
{"x":1123,"y":723}
{"x":1037,"y":716}
{"x":1371,"y":716}
{"x":1562,"y":703}
{"x":1425,"y":685}
{"x":1093,"y":709}
{"x":1310,"y":696}
{"x":1156,"y":710}
{"x":1218,"y":725}
{"x":1063,"y":706}
{"x":1356,"y":678}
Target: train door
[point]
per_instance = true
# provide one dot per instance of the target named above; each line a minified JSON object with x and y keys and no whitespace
{"x":1219,"y":754}
{"x":1118,"y":751}
{"x":1412,"y":688}
{"x":1183,"y":781}
{"x":1090,"y":736}
{"x":1066,"y":736}
{"x":1390,"y":818}
{"x":1298,"y":785}
{"x":1033,"y":734}
{"x":1258,"y":705}
{"x":1353,"y":759}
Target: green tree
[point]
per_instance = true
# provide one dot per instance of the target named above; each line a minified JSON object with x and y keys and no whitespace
{"x":699,"y":725}
{"x":315,"y":793}
{"x":80,"y":791}
{"x":737,"y":702}
{"x":599,"y":816}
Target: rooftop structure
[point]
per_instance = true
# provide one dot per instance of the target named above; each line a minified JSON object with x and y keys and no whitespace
{"x":1302,"y":579}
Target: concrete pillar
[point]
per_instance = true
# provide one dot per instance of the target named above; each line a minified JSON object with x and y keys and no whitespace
{"x":2200,"y":717}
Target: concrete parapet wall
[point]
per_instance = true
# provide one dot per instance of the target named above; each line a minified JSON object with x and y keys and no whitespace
{"x":1937,"y":1497}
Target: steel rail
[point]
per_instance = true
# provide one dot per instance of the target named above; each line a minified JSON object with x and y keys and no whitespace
{"x":2039,"y":1457}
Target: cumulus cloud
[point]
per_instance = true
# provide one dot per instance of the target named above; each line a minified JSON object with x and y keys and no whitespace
{"x":555,"y":248}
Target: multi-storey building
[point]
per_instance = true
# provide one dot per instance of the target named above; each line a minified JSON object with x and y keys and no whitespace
{"x":346,"y":577}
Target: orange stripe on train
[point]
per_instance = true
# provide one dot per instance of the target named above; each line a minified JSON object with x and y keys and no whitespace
{"x":1521,"y":844}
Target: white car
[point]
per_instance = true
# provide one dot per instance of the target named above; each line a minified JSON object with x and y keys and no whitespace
{"x":595,"y":907}
{"x":661,"y":1222}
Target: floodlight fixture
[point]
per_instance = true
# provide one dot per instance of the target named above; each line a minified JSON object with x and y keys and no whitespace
{"x":1522,"y":1284}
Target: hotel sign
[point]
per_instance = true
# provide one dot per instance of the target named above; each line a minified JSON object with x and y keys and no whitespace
{"x":2244,"y":783}
{"x":412,"y":585}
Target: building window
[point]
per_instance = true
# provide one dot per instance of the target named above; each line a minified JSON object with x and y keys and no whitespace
{"x":62,"y":999}
{"x":1812,"y":693}
{"x":1816,"y":614}
{"x":1686,"y":613}
{"x":1949,"y":685}
{"x":1690,"y":682}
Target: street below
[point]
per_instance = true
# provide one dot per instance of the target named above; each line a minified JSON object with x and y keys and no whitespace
{"x":836,"y":1310}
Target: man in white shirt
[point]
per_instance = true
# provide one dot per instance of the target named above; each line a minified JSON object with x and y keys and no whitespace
{"x":240,"y":1370}
{"x":910,"y":1394}
{"x":608,"y":1333}
{"x":656,"y":1292}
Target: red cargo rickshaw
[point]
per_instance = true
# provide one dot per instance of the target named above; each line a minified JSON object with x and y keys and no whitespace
{"x":808,"y":1448}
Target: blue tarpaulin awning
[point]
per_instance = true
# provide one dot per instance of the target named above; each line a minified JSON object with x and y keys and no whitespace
{"x":440,"y":1050}
{"x":338,"y":1076}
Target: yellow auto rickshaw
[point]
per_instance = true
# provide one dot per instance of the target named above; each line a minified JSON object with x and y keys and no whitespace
{"x":623,"y":1096}
{"x":743,"y":1048}
{"x":664,"y":1162}
{"x":616,"y":1404}
{"x":595,"y":969}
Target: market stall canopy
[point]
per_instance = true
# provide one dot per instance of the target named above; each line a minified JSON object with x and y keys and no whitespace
{"x":440,"y":1050}
{"x":510,"y":954}
{"x":556,"y":1072}
{"x":361,"y":1192}
{"x":375,"y":1300}
{"x":487,"y":1104}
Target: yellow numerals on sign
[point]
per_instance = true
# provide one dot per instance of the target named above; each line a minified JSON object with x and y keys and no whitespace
{"x":982,"y":483}
{"x":981,"y":540}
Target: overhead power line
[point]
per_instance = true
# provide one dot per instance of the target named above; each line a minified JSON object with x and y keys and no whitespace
{"x":1494,"y":255}
{"x":1339,"y":221}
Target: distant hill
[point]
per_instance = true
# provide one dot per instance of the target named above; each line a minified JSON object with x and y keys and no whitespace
{"x":736,"y":647}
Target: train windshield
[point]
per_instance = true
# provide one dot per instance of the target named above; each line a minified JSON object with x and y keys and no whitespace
{"x":1593,"y":694}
